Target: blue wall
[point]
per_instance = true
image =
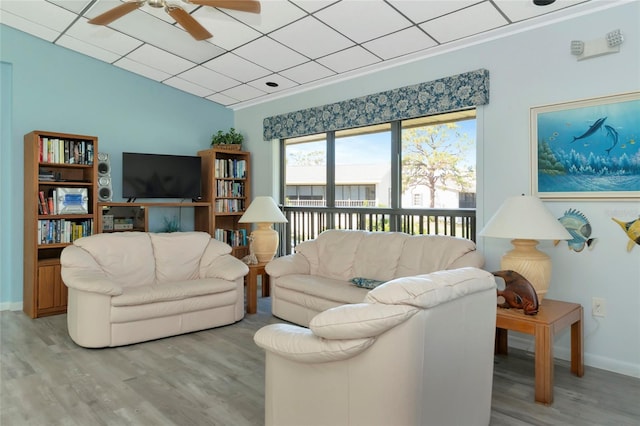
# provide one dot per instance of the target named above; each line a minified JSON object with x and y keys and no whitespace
{"x":47,"y":87}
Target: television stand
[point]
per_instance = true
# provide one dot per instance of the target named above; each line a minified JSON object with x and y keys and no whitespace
{"x":136,"y":216}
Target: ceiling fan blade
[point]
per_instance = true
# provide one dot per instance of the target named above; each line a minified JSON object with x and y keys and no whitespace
{"x":187,"y":21}
{"x":117,"y":12}
{"x":241,"y":5}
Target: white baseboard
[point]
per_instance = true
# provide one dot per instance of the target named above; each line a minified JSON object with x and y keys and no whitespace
{"x":11,"y":306}
{"x":628,"y":369}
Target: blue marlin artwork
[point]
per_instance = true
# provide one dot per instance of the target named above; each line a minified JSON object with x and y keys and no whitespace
{"x":579,"y":227}
{"x":594,"y":128}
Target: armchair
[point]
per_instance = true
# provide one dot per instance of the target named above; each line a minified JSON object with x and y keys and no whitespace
{"x":418,"y":351}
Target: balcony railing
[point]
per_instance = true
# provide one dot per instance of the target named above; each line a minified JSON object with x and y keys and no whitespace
{"x":305,"y":223}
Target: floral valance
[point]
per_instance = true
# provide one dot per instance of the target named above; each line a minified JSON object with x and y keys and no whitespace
{"x":447,"y":94}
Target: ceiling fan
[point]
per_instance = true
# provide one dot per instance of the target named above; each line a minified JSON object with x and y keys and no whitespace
{"x":181,"y":16}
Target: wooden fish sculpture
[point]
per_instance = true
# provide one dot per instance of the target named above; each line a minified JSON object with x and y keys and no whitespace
{"x":518,"y":292}
{"x":632,"y":229}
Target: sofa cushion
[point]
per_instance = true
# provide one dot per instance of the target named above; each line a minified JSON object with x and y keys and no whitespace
{"x":120,"y":255}
{"x":337,"y":251}
{"x":423,"y":254}
{"x":171,"y":291}
{"x":178,"y":255}
{"x":377,"y":255}
{"x":325,"y":288}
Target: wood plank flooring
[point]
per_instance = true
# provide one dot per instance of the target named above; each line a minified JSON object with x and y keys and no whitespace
{"x":216,"y":377}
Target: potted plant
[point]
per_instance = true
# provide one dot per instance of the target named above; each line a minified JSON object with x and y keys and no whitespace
{"x":231,"y":140}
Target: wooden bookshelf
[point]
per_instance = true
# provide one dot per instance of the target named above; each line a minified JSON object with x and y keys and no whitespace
{"x":56,"y":166}
{"x":226,"y":185}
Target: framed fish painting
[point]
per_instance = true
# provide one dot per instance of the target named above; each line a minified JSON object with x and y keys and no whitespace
{"x":587,"y":149}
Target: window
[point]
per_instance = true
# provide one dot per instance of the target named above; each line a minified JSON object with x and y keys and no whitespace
{"x":436,"y":158}
{"x":439,"y":159}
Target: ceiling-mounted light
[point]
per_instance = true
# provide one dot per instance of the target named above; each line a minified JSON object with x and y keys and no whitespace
{"x":590,"y":49}
{"x":543,"y":2}
{"x":272,"y":84}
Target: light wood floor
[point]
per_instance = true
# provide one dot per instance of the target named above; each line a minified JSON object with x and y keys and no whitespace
{"x":216,"y":377}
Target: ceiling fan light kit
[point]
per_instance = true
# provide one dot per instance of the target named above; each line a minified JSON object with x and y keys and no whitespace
{"x":181,"y":16}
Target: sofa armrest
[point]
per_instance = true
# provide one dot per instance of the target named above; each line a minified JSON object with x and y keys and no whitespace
{"x":225,"y":267}
{"x":301,"y":345}
{"x":359,"y":320}
{"x":79,"y":270}
{"x":287,"y":265}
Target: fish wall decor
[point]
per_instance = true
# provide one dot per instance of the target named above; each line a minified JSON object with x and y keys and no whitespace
{"x":577,"y":224}
{"x":632,"y":229}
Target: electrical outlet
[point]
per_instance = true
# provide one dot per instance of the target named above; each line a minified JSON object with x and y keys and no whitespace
{"x":598,"y":307}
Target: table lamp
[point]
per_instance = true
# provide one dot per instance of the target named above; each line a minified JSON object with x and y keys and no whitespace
{"x":264,"y":240}
{"x":526,"y":220}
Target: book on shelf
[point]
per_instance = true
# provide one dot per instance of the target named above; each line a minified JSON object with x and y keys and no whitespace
{"x":229,"y":205}
{"x":65,"y":151}
{"x":230,"y":168}
{"x":56,"y":231}
{"x":233,"y":237}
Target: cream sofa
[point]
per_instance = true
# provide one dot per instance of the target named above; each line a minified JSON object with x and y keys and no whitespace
{"x":130,"y":287}
{"x":418,"y":351}
{"x":317,"y":277}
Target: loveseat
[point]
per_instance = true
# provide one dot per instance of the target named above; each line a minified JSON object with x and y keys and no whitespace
{"x":129,"y":287}
{"x":323,"y":273}
{"x":417,"y":351}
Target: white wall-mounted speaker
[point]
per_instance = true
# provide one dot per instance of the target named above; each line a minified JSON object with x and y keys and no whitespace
{"x":105,"y":191}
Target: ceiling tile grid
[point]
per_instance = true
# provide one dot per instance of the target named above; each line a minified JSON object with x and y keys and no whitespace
{"x":290,"y":46}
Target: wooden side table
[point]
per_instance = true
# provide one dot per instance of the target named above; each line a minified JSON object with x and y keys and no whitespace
{"x":552,"y":317}
{"x":252,"y":286}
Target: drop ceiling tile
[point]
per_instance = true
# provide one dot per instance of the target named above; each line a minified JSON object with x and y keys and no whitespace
{"x":311,"y":37}
{"x":159,"y":33}
{"x":187,"y":86}
{"x":519,"y":10}
{"x":243,"y":92}
{"x":138,"y":68}
{"x":420,"y":11}
{"x":472,"y":20}
{"x":363,"y":20}
{"x":40,"y":12}
{"x":313,"y":5}
{"x":29,"y":27}
{"x":160,"y":60}
{"x":210,"y":79}
{"x":75,"y":6}
{"x":228,"y":33}
{"x":87,"y":49}
{"x":282,"y":82}
{"x":401,"y":43}
{"x":273,"y":15}
{"x":103,"y":37}
{"x":307,"y":72}
{"x":222,"y":99}
{"x":236,"y":67}
{"x":349,"y":59}
{"x":270,"y":54}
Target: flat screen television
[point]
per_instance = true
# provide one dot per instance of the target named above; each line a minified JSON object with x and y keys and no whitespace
{"x":161,"y":176}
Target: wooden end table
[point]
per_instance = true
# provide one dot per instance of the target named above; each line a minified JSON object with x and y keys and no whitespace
{"x":553,"y":316}
{"x":252,"y":286}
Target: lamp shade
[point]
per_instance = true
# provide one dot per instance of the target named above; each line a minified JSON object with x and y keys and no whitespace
{"x":263,"y":209}
{"x":524,"y":217}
